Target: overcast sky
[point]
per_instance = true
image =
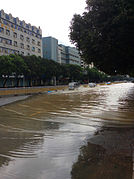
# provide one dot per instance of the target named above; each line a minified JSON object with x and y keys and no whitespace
{"x":53,"y":16}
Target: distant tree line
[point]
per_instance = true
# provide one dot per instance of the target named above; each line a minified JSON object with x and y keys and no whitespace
{"x":39,"y":71}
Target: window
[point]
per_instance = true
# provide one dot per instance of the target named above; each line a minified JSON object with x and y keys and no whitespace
{"x":6,"y":50}
{"x":15,"y":43}
{"x":39,"y":50}
{"x":33,"y":49}
{"x":7,"y":32}
{"x":21,"y":37}
{"x":28,"y":47}
{"x":0,"y":39}
{"x":1,"y":29}
{"x":27,"y":39}
{"x":9,"y":42}
{"x":5,"y":22}
{"x":4,"y":41}
{"x":22,"y":45}
{"x":33,"y":41}
{"x":15,"y":35}
{"x":21,"y":29}
{"x":12,"y":25}
{"x":38,"y":43}
{"x":22,"y":53}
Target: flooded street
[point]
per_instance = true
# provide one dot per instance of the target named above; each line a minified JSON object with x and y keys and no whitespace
{"x":81,"y":134}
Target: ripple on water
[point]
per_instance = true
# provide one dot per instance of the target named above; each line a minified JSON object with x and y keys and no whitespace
{"x":43,"y":134}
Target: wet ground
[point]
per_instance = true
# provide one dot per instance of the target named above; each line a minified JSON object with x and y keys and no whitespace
{"x":86,"y":133}
{"x":10,"y":99}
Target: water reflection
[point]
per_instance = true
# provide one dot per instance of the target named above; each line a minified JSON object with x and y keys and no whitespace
{"x":106,"y":156}
{"x":40,"y":137}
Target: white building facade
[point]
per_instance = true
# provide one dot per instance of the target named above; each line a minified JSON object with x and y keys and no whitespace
{"x":18,"y":37}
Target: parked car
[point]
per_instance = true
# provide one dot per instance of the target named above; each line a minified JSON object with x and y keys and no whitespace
{"x":73,"y":85}
{"x":92,"y":84}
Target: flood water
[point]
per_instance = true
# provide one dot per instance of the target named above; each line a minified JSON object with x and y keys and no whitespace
{"x":86,"y":133}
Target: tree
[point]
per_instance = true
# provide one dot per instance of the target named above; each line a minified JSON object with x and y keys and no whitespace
{"x":6,"y":65}
{"x":71,"y":72}
{"x":52,"y":69}
{"x":35,"y":69}
{"x":104,"y":34}
{"x":95,"y":75}
{"x":20,"y":66}
{"x":75,"y":72}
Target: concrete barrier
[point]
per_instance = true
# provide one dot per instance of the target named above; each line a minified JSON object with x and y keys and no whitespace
{"x":4,"y":92}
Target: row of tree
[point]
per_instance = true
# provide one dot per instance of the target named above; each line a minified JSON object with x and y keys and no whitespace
{"x":40,"y":71}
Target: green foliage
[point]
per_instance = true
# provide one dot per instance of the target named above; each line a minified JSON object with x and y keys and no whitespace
{"x":73,"y":72}
{"x":35,"y":69}
{"x":20,"y":66}
{"x":104,"y":34}
{"x":94,"y":75}
{"x":40,"y":71}
{"x":6,"y":65}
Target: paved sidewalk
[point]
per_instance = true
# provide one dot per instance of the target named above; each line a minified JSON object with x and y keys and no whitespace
{"x":7,"y":100}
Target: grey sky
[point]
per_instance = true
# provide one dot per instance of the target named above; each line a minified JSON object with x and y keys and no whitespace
{"x":53,"y":16}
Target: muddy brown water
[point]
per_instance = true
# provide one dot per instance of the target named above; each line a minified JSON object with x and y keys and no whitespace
{"x":86,"y":133}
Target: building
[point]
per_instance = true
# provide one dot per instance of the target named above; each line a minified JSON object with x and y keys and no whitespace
{"x":60,"y":53}
{"x":85,"y":65}
{"x":50,"y":48}
{"x":18,"y":37}
{"x":69,"y":55}
{"x":73,"y":56}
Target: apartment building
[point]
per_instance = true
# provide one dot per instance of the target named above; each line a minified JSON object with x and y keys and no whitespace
{"x":18,"y":37}
{"x":73,"y":56}
{"x":69,"y":55}
{"x":50,"y":45}
{"x":60,"y":53}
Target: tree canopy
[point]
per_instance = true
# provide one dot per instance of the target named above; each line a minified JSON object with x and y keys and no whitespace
{"x":104,"y":34}
{"x":40,"y":71}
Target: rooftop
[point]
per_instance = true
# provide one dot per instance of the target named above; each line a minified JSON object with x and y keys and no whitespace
{"x":19,"y":22}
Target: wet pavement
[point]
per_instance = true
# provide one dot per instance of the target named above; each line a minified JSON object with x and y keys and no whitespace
{"x":107,"y":155}
{"x":86,"y":133}
{"x":11,"y":99}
